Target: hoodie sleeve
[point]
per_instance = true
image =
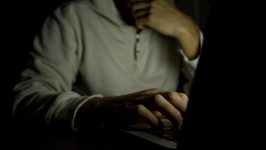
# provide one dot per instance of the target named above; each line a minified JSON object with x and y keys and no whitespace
{"x":189,"y":66}
{"x":44,"y":94}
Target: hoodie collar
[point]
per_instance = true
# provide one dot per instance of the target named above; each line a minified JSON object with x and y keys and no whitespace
{"x":108,"y":9}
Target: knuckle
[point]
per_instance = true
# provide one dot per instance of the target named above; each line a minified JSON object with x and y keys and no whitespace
{"x":158,"y":99}
{"x":184,"y":96}
{"x":178,"y":114}
{"x":172,"y":95}
{"x":140,"y":109}
{"x":179,"y":118}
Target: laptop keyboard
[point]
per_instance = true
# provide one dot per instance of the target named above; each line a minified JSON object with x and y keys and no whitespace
{"x":168,"y":132}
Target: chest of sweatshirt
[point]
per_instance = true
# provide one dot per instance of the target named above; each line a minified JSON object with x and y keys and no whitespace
{"x":114,"y":52}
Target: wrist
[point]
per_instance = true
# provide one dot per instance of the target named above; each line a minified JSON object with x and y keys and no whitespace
{"x":87,"y":112}
{"x":189,"y":40}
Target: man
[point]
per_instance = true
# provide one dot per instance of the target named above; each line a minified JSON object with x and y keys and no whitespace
{"x":108,"y":62}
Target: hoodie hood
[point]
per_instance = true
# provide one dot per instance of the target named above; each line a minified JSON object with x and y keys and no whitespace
{"x":108,"y":9}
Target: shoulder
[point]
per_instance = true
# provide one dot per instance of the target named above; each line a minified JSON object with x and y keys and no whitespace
{"x":74,"y":9}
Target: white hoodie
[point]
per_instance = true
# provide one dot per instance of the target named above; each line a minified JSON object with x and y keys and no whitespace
{"x":85,"y":50}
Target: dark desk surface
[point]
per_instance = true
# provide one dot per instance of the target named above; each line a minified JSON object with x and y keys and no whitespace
{"x":98,"y":139}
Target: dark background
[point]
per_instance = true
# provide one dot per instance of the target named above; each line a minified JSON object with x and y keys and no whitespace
{"x":238,"y":117}
{"x":23,"y":19}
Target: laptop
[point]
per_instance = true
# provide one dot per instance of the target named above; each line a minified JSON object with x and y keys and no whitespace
{"x":165,"y":137}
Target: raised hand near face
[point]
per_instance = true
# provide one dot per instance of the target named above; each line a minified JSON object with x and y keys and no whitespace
{"x":165,"y":18}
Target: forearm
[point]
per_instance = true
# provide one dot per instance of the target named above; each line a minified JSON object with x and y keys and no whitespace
{"x":189,"y":40}
{"x":166,"y":19}
{"x":187,"y":33}
{"x":36,"y":106}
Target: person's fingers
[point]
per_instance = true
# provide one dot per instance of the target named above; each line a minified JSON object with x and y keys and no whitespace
{"x":151,"y":91}
{"x":141,"y":14}
{"x":140,"y":6}
{"x":140,"y":23}
{"x":157,"y":114}
{"x":185,"y":99}
{"x":147,"y":115}
{"x":168,"y":110}
{"x":145,"y":95}
{"x":140,"y":10}
{"x":178,"y":100}
{"x":140,"y":95}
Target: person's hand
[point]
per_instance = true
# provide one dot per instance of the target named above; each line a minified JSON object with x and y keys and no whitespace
{"x":149,"y":105}
{"x":164,"y":17}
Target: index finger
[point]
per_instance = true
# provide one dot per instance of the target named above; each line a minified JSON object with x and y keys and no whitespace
{"x":178,"y":100}
{"x":146,"y":94}
{"x":168,"y":110}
